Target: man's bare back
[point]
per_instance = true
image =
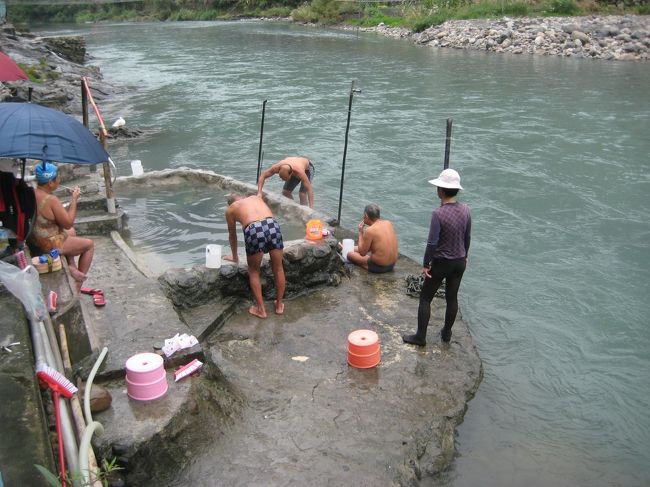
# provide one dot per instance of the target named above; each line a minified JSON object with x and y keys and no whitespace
{"x":383,"y":242}
{"x":249,"y":209}
{"x":292,"y":170}
{"x":377,"y":243}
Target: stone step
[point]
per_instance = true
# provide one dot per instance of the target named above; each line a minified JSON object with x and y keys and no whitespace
{"x":205,"y":319}
{"x":136,"y":318}
{"x":90,"y":222}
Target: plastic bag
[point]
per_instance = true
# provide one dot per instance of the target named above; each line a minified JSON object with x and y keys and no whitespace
{"x":26,"y":286}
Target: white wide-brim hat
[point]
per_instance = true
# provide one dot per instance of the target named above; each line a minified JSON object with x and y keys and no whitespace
{"x":448,"y":178}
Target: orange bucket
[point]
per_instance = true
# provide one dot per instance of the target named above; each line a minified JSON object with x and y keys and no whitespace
{"x":314,"y":230}
{"x":363,"y":349}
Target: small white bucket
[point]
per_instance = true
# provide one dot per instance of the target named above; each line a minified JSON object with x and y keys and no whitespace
{"x":136,"y":167}
{"x":213,"y":256}
{"x":348,"y":246}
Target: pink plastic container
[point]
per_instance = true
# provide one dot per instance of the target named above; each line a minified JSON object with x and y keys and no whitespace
{"x":145,"y":377}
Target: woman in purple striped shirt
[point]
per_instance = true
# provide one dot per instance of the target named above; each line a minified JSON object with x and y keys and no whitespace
{"x":445,"y":256}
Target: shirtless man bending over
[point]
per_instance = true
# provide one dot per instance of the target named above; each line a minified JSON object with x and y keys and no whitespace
{"x":261,"y":235}
{"x":292,"y":170}
{"x":377,"y":248}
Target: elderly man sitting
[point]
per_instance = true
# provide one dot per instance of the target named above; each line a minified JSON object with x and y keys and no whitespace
{"x":377,"y":244}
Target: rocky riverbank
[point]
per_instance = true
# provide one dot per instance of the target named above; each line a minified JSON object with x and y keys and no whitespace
{"x":55,"y":66}
{"x":621,"y":37}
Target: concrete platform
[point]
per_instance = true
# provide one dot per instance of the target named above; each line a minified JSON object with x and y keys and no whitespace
{"x":24,"y":440}
{"x":311,"y":419}
{"x":137,"y":316}
{"x":276,"y":402}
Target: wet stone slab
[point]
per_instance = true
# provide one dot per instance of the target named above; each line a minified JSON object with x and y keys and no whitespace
{"x":24,"y":435}
{"x":136,"y":318}
{"x":309,"y":416}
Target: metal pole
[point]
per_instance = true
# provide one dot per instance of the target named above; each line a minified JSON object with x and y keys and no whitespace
{"x":84,"y":104}
{"x":345,"y":147}
{"x":447,"y":143}
{"x":259,"y":154}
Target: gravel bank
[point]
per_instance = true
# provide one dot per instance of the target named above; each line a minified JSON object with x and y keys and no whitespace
{"x":620,"y":37}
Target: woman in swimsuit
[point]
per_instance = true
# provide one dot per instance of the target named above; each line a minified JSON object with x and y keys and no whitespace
{"x":52,"y":226}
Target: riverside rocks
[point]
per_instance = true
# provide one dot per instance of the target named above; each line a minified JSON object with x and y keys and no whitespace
{"x":56,"y":65}
{"x":622,"y":38}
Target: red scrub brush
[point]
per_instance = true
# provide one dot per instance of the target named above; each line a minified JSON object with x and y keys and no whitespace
{"x":59,"y":385}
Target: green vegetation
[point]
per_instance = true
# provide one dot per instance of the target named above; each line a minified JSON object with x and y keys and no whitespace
{"x":104,"y":475}
{"x":40,"y":72}
{"x":413,"y":14}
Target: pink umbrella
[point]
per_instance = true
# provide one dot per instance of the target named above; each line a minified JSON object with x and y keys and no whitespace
{"x":9,"y":70}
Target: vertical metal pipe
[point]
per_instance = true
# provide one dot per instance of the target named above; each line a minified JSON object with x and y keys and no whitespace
{"x":345,"y":148}
{"x":84,"y":104}
{"x":259,"y":154}
{"x":447,"y":143}
{"x":29,"y":93}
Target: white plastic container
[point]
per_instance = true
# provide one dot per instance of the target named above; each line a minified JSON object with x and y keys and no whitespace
{"x":136,"y":167}
{"x":348,"y":246}
{"x":213,"y":256}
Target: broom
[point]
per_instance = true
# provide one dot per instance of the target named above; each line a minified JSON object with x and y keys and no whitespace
{"x":59,"y":385}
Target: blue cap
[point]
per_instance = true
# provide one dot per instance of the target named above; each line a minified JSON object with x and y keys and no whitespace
{"x":45,"y":172}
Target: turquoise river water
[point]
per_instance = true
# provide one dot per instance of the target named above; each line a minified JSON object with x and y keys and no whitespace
{"x":554,"y":156}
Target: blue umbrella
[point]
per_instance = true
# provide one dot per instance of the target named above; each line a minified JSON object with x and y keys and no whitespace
{"x":31,"y":131}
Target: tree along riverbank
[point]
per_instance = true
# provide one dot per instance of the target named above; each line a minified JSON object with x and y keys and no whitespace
{"x":615,"y":37}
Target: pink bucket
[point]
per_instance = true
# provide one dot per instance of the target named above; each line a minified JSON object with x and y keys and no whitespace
{"x":145,"y":377}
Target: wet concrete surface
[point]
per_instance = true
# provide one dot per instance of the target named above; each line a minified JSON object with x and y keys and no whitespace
{"x":136,"y":318}
{"x":276,"y":402}
{"x":23,"y":432}
{"x":311,"y":419}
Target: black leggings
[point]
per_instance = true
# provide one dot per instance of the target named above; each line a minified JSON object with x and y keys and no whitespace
{"x":450,"y":270}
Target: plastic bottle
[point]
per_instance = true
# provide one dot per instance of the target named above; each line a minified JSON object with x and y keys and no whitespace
{"x":4,"y":240}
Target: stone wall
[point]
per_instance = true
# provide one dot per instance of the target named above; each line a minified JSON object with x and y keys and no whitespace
{"x":306,"y":265}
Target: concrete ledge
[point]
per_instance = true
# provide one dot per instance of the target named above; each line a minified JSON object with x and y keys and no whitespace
{"x":306,"y":265}
{"x":25,"y":435}
{"x":99,"y":224}
{"x":173,"y":177}
{"x":205,"y":319}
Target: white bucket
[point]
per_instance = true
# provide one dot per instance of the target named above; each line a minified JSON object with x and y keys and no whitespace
{"x":213,"y":256}
{"x":348,"y":246}
{"x":136,"y":167}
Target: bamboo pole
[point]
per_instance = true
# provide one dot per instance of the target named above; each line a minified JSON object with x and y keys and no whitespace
{"x":103,"y":134}
{"x":75,"y":406}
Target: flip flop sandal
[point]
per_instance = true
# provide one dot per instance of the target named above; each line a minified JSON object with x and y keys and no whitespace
{"x":98,"y":299}
{"x":89,"y":290}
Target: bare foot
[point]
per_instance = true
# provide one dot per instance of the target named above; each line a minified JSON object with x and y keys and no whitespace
{"x":255,"y":311}
{"x":279,"y":308}
{"x":77,"y":275}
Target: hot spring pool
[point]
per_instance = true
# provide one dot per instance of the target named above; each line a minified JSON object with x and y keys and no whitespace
{"x":171,"y":226}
